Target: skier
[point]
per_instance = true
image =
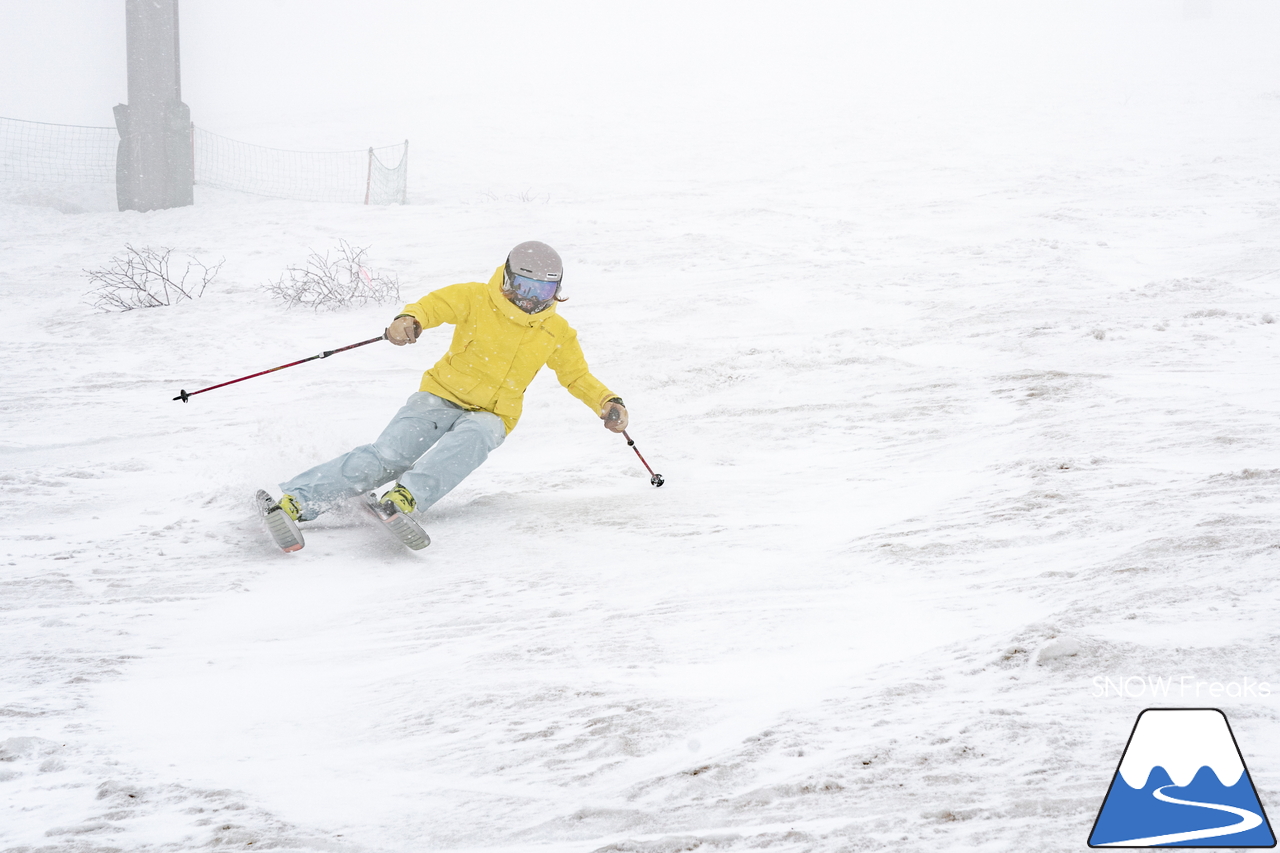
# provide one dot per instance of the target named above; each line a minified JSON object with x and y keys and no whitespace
{"x":504,"y":332}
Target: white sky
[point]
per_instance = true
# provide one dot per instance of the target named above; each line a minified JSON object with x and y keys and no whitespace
{"x":638,"y":77}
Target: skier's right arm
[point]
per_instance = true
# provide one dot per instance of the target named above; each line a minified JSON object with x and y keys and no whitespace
{"x":446,"y":305}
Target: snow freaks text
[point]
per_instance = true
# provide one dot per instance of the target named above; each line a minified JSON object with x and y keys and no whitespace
{"x":1178,"y":687}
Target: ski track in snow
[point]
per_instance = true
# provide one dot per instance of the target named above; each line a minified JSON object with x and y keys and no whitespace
{"x":918,"y":434}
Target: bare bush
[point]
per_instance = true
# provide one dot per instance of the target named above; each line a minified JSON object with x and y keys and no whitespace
{"x":140,"y":278}
{"x":329,"y":285}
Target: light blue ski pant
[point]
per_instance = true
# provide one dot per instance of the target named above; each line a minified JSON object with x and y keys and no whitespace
{"x":430,"y":446}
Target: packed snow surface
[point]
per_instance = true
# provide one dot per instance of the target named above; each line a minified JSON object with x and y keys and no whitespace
{"x":963,"y":384}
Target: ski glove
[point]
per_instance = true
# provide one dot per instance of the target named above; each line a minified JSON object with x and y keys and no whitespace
{"x":404,"y":330}
{"x":614,"y":415}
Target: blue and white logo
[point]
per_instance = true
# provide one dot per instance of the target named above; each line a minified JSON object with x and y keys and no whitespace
{"x":1181,"y":783}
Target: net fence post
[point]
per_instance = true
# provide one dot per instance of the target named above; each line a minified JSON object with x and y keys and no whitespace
{"x":404,"y":165}
{"x":368,"y":177}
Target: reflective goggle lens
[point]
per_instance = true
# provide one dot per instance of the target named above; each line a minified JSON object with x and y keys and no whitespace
{"x":533,"y":288}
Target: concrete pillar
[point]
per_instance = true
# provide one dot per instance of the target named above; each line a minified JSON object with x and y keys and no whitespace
{"x":154,"y":164}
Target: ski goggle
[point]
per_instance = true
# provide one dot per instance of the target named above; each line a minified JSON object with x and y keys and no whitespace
{"x":532,"y":288}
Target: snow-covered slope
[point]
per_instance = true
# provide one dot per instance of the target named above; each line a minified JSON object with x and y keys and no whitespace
{"x":962,"y":404}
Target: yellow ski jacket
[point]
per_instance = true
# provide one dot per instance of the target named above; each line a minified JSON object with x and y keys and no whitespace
{"x":497,"y":349}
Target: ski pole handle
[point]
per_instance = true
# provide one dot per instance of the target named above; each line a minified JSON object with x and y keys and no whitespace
{"x":185,"y":395}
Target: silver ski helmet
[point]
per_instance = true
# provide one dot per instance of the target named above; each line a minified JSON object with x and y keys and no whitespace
{"x":532,"y":276}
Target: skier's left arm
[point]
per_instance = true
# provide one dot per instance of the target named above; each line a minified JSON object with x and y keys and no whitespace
{"x":571,"y":369}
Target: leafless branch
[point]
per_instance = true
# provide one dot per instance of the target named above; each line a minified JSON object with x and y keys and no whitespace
{"x":141,"y":278}
{"x":329,"y":285}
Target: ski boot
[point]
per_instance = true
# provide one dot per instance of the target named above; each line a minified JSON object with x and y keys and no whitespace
{"x":280,"y":518}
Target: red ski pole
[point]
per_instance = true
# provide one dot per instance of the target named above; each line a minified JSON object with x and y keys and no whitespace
{"x":655,"y":479}
{"x":184,"y":395}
